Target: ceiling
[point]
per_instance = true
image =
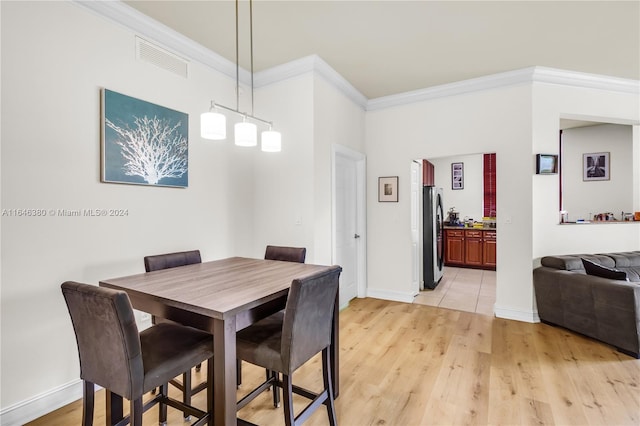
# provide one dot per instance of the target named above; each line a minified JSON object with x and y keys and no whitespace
{"x":389,"y":47}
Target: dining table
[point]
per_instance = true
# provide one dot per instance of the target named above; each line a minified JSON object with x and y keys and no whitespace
{"x":222,"y":297}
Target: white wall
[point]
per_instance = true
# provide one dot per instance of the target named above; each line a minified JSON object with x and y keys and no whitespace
{"x":551,"y":103}
{"x":51,"y":160}
{"x":293,"y":188}
{"x":582,"y":199}
{"x":337,"y":120}
{"x":496,"y":120}
{"x":238,"y":199}
{"x":469,"y":200}
{"x":515,"y":122}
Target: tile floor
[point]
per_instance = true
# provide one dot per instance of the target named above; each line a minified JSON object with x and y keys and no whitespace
{"x":463,"y":289}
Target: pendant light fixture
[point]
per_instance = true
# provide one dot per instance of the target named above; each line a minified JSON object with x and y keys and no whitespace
{"x":213,"y":124}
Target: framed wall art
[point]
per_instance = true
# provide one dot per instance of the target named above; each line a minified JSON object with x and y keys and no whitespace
{"x":388,"y":189}
{"x":457,"y":175}
{"x":143,"y":143}
{"x":546,"y":164}
{"x":595,"y":166}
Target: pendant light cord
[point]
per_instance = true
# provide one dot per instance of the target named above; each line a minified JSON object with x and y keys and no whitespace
{"x":237,"y":64}
{"x":251,"y":47}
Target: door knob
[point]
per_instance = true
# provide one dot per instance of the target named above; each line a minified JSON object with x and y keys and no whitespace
{"x":356,"y":236}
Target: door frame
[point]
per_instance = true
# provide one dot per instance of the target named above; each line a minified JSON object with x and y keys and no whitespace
{"x":361,"y":214}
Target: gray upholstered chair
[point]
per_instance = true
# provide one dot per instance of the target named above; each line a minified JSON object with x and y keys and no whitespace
{"x":166,"y":261}
{"x":171,"y":260}
{"x":287,"y":254}
{"x":286,"y":340}
{"x":114,"y":355}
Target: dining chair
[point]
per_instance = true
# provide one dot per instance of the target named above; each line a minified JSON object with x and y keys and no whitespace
{"x":286,"y":340}
{"x":128,"y":363}
{"x":287,"y":254}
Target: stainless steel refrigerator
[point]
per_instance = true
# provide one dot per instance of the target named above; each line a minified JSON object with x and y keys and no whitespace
{"x":433,"y":236}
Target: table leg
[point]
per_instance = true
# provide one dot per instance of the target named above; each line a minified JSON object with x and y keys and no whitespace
{"x":224,"y":372}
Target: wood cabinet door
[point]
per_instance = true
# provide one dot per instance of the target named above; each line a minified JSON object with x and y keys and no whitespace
{"x":489,"y":249}
{"x":454,"y":252}
{"x":473,"y":250}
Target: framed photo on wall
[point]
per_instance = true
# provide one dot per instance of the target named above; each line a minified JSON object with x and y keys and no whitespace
{"x":388,"y":189}
{"x":595,"y":166}
{"x":457,"y":175}
{"x":546,"y":164}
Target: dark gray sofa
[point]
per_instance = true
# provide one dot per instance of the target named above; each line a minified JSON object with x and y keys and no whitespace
{"x":603,"y":308}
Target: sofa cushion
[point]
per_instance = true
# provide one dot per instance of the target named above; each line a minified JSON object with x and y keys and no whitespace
{"x":573,"y":262}
{"x":593,"y":268}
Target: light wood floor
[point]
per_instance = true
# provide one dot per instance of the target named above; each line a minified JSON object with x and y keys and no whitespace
{"x":410,"y":364}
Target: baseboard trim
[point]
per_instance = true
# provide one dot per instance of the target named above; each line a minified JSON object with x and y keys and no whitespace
{"x":39,"y":405}
{"x":512,"y":314}
{"x":390,"y":295}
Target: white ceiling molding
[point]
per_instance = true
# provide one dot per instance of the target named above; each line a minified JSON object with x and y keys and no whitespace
{"x":312,"y":63}
{"x":589,"y":81}
{"x":141,"y":24}
{"x":510,"y":78}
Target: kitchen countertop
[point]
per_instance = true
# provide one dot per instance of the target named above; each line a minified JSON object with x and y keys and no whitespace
{"x":462,"y":228}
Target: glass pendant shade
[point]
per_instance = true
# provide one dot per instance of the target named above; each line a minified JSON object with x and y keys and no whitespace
{"x":246,"y":134}
{"x":213,"y":126}
{"x":271,"y":141}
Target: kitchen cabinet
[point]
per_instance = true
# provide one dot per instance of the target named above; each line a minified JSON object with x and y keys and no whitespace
{"x":471,"y":248}
{"x":489,"y":249}
{"x":428,"y":173}
{"x":454,"y":247}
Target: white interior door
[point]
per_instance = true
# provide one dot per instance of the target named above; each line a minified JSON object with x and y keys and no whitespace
{"x":349,"y":239}
{"x":346,"y":231}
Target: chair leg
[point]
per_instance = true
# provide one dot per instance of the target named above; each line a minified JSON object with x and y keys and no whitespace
{"x":114,"y":408}
{"x":135,"y":412}
{"x":287,"y":395}
{"x":238,"y":372}
{"x":186,"y":391}
{"x":274,"y":388}
{"x":328,"y":385}
{"x":88,"y":399}
{"x":162,"y":407}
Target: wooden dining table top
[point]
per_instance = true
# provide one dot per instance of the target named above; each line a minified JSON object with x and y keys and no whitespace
{"x":216,"y":289}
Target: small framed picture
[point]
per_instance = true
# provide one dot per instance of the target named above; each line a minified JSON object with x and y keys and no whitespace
{"x":595,"y":166}
{"x":388,"y":189}
{"x":457,"y":175}
{"x":546,"y":164}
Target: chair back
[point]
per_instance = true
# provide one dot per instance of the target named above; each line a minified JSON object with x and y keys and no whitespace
{"x":287,"y":254}
{"x":107,"y":337}
{"x":171,"y":260}
{"x":308,"y":316}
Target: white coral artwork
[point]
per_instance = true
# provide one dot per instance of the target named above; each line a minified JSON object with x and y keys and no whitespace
{"x":144,"y":143}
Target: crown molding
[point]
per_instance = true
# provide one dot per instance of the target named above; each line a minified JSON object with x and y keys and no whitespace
{"x":128,"y":17}
{"x":510,"y":78}
{"x":315,"y":64}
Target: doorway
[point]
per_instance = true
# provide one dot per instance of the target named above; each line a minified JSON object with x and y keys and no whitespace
{"x":348,"y":221}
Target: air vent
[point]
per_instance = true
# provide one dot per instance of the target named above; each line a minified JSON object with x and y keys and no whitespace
{"x":149,"y":52}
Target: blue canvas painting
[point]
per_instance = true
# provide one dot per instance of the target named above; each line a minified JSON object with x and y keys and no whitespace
{"x":143,"y":143}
